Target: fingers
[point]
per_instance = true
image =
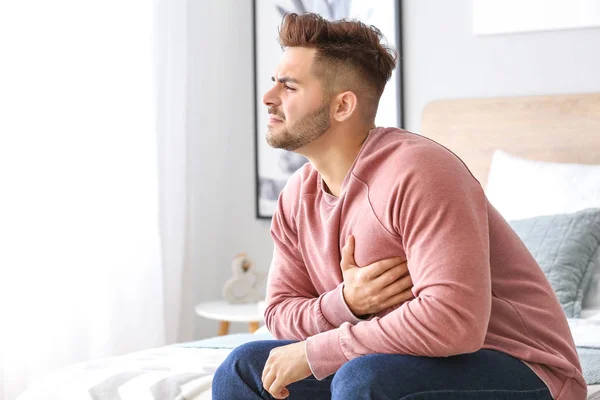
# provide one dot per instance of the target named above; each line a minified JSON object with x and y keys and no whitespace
{"x":402,"y":287}
{"x":348,"y":254}
{"x":266,"y":370}
{"x":267,"y":380}
{"x":379,"y":267}
{"x":397,"y":286}
{"x":277,"y":389}
{"x":391,"y":275}
{"x":403,"y":268}
{"x":274,"y":385}
{"x":398,"y":299}
{"x":271,"y":382}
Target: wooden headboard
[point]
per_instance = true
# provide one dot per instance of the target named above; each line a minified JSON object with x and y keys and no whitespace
{"x":561,"y":128}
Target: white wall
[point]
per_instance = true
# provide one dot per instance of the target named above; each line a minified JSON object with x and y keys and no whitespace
{"x":221,"y":134}
{"x":442,"y":59}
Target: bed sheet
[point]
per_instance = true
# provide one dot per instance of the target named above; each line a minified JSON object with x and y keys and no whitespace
{"x":164,"y":373}
{"x":178,"y":372}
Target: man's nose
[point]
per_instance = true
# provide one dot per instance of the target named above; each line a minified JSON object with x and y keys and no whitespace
{"x":270,"y":97}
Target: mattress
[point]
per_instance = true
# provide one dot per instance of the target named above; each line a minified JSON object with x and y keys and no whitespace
{"x":178,"y":372}
{"x":162,"y":373}
{"x":593,"y":392}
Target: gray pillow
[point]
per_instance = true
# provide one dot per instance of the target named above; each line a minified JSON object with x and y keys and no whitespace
{"x":567,"y":247}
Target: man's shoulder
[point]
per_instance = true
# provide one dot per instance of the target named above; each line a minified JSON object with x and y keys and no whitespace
{"x":405,"y":141}
{"x":402,"y":151}
{"x":303,"y":181}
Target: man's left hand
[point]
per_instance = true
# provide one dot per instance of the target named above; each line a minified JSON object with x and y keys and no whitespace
{"x":285,"y":365}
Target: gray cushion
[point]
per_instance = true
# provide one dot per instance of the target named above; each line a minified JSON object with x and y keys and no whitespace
{"x":567,"y":247}
{"x":590,"y":364}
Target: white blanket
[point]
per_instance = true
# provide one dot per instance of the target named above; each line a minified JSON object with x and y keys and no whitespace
{"x":586,"y":332}
{"x":183,"y":373}
{"x":174,"y":373}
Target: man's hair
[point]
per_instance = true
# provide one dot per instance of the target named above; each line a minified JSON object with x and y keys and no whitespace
{"x":349,"y":55}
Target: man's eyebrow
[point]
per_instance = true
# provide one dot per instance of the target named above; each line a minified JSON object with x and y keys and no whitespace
{"x":285,"y":79}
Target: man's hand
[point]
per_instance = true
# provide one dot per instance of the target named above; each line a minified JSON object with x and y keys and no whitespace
{"x":285,"y":365}
{"x":371,"y":289}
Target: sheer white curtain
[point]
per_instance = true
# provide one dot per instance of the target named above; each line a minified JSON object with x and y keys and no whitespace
{"x":171,"y":78}
{"x":83,"y":273}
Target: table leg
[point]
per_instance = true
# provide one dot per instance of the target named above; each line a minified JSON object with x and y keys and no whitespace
{"x":253,"y":326}
{"x":223,"y":328}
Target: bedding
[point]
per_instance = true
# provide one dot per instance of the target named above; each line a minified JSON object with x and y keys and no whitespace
{"x":592,"y":299}
{"x":163,"y":373}
{"x":167,"y":373}
{"x":593,"y":392}
{"x":567,"y":248}
{"x":590,"y":313}
{"x":521,"y":188}
{"x":185,"y":371}
{"x":586,"y":335}
{"x":177,"y":372}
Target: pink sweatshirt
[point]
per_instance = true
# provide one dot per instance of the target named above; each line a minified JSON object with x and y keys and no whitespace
{"x":475,"y":283}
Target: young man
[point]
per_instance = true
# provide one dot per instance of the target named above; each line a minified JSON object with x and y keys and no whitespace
{"x":484,"y":322}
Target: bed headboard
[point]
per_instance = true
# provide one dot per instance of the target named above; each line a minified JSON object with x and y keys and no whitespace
{"x":561,"y":128}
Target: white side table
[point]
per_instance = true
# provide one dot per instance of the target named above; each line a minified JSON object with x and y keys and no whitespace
{"x":225,"y":312}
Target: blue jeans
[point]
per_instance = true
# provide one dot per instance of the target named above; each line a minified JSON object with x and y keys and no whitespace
{"x":486,"y":374}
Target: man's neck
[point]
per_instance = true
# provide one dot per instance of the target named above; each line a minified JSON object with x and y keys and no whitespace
{"x":333,"y":154}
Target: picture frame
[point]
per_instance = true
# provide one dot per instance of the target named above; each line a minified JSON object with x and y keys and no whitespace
{"x":273,"y":167}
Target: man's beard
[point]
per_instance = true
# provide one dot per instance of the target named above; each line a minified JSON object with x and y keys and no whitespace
{"x":306,"y":130}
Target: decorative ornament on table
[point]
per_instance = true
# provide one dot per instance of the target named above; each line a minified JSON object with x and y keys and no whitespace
{"x":242,"y":287}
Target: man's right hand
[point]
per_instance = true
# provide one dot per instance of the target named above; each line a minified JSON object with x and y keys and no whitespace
{"x":375,"y":287}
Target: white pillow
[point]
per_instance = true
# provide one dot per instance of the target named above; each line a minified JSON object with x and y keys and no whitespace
{"x":590,"y":313}
{"x":585,"y":332}
{"x":520,"y":188}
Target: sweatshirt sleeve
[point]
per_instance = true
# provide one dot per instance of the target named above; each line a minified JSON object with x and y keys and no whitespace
{"x":295,"y":310}
{"x":439,"y":212}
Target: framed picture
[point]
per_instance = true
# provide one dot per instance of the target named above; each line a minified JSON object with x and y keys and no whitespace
{"x":275,"y":166}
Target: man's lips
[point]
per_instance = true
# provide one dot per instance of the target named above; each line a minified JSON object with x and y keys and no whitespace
{"x":274,"y":120}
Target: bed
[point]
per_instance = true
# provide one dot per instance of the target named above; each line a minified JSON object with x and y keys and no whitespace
{"x":177,"y":372}
{"x":560,"y":129}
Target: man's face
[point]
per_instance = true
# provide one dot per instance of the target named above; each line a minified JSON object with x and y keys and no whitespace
{"x":298,"y":109}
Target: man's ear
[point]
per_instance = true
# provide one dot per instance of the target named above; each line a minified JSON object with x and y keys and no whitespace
{"x":345,"y":105}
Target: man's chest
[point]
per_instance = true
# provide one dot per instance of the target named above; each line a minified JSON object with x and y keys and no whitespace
{"x":325,"y":231}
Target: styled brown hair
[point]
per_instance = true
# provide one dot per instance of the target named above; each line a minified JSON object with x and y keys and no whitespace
{"x":349,"y":55}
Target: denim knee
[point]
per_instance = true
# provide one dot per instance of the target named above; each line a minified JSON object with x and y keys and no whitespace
{"x":239,"y":376}
{"x":355,"y":380}
{"x":242,"y":366}
{"x":246,"y":359}
{"x":223,"y":376}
